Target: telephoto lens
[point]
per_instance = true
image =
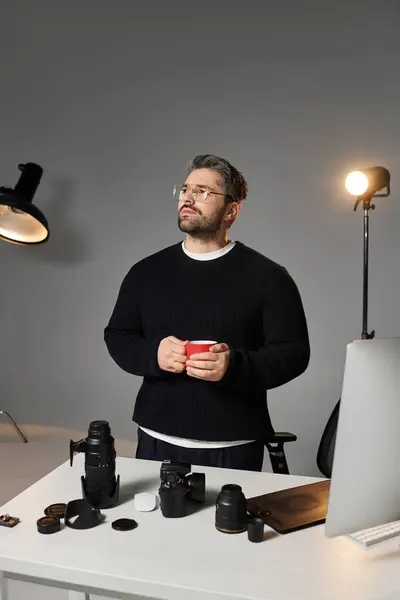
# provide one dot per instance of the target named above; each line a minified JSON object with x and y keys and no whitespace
{"x":231,"y":510}
{"x":100,"y":485}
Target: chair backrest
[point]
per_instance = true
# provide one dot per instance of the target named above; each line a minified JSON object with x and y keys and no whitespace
{"x":327,"y":444}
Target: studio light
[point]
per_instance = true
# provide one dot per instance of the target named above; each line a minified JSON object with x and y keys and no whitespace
{"x":21,"y":222}
{"x":366,"y":184}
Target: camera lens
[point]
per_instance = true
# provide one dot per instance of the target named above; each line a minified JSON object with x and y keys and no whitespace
{"x":99,"y":429}
{"x":231,"y":512}
{"x":197,"y":483}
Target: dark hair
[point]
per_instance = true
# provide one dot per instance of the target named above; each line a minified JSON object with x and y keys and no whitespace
{"x":232,"y":181}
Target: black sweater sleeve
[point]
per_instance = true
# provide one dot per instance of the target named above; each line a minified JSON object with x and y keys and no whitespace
{"x":124,"y":337}
{"x":285,"y":353}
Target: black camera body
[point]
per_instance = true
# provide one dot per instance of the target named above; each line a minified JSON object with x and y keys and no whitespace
{"x":178,"y":486}
{"x":100,"y":486}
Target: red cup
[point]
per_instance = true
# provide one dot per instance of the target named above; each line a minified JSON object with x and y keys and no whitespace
{"x":198,"y":346}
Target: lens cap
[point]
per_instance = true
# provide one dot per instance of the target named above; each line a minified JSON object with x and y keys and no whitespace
{"x":124,"y":524}
{"x":56,"y":510}
{"x":48,"y":525}
{"x":255,"y":530}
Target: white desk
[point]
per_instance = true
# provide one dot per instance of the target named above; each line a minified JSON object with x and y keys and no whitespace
{"x":186,"y":559}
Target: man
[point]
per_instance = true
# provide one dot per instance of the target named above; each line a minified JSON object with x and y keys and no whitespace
{"x":210,"y":410}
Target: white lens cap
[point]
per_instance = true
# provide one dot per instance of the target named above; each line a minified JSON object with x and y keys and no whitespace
{"x":145,"y":502}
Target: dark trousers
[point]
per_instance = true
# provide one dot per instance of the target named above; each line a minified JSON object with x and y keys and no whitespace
{"x":247,"y":457}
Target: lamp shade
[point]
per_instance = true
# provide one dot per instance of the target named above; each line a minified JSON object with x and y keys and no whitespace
{"x":21,"y":222}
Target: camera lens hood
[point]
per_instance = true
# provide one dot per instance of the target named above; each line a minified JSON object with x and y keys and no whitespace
{"x":87,"y":515}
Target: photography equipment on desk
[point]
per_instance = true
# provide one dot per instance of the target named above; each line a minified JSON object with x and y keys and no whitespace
{"x":56,"y":510}
{"x":231,"y":515}
{"x":231,"y":510}
{"x":255,"y":530}
{"x":22,"y":223}
{"x":51,"y":522}
{"x":87,"y":515}
{"x":100,"y":486}
{"x":145,"y":502}
{"x":178,"y":486}
{"x":124,"y":524}
{"x":48,"y":525}
{"x":365,"y":184}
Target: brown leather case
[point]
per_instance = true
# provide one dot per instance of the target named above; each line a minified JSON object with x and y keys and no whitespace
{"x":293,"y":508}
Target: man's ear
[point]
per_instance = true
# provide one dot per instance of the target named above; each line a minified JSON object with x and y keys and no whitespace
{"x":233,"y":212}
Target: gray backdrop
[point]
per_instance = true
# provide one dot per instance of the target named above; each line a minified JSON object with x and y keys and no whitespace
{"x":113,"y":99}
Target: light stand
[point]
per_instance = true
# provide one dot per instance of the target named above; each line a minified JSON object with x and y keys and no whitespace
{"x":382,"y":181}
{"x":367,"y":206}
{"x":22,"y":223}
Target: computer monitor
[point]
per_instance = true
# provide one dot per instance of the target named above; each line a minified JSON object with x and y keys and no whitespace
{"x":365,"y":482}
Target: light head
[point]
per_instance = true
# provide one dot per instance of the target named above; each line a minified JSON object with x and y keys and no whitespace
{"x":365,"y":184}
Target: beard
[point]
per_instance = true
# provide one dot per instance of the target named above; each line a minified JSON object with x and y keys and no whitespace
{"x":200,"y":226}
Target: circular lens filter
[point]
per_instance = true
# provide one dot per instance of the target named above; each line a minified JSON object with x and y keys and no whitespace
{"x":48,"y":525}
{"x":56,"y":510}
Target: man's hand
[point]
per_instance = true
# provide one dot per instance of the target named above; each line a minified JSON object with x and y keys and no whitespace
{"x":171,"y":354}
{"x":209,"y":366}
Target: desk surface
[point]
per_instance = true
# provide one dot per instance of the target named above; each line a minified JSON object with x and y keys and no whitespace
{"x":187,"y":558}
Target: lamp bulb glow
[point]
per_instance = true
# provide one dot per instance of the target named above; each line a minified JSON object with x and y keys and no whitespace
{"x":356,"y":183}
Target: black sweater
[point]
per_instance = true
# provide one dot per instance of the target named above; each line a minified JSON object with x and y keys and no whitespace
{"x":241,"y":298}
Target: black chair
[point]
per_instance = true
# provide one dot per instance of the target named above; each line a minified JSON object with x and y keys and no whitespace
{"x":276,"y":451}
{"x":325,"y":452}
{"x":326,"y":447}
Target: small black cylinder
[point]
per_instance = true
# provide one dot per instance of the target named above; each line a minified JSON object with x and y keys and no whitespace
{"x":255,"y":530}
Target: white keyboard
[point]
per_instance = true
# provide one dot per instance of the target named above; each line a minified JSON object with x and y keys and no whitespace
{"x":374,"y":535}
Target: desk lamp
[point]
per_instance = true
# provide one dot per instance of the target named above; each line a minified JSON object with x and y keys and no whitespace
{"x":22,"y":223}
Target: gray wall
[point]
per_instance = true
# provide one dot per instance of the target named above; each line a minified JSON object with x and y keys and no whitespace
{"x":112,"y":99}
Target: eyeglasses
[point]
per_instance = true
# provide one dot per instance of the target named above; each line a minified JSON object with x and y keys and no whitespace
{"x":193,"y":192}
